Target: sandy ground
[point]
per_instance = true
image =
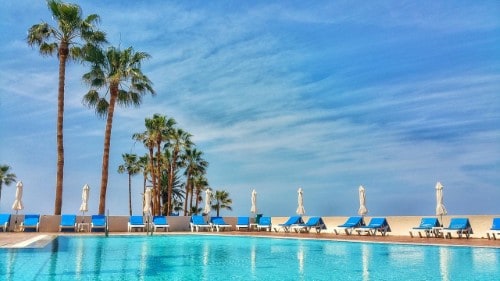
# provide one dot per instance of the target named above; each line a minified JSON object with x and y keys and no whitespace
{"x":17,"y":240}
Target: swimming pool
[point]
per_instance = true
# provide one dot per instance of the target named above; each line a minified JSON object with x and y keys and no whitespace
{"x":207,"y":257}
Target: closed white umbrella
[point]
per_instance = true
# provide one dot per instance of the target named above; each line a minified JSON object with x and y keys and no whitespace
{"x":300,"y":202}
{"x":254,"y":202}
{"x":362,"y":202}
{"x":147,"y":202}
{"x":440,"y":209}
{"x":84,"y":207}
{"x":208,"y":200}
{"x":147,"y":208}
{"x":18,"y":203}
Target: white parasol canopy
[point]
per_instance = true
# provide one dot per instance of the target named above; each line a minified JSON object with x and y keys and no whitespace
{"x":147,"y":202}
{"x":208,"y":201}
{"x":18,"y":203}
{"x":362,"y":201}
{"x":440,"y":209}
{"x":84,"y":207}
{"x":254,"y":202}
{"x":300,"y":202}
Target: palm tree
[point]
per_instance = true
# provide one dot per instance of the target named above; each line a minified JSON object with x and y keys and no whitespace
{"x":131,"y":167}
{"x":179,"y":140}
{"x":147,"y":138}
{"x":222,"y":201}
{"x":195,"y":165}
{"x":119,"y":73}
{"x":143,"y":163}
{"x":63,"y":40}
{"x":200,"y":183}
{"x":6,"y":177}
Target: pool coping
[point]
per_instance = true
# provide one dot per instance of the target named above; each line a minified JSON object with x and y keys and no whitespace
{"x":39,"y":240}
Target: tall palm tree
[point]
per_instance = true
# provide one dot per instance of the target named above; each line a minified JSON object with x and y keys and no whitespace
{"x":162,"y":130}
{"x":195,"y":165}
{"x":147,"y":138}
{"x":222,"y":201}
{"x":143,"y":163}
{"x":178,"y":141}
{"x":6,"y":177}
{"x":131,"y":167}
{"x":119,"y":74}
{"x":64,"y":40}
{"x":200,"y":183}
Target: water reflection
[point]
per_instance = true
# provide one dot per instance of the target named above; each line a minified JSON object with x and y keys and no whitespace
{"x":300,"y":258}
{"x":444,"y":255}
{"x":365,"y":256}
{"x":143,"y":259}
{"x":253,"y":257}
{"x":79,"y":258}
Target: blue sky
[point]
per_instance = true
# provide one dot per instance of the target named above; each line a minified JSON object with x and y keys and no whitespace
{"x":323,"y":95}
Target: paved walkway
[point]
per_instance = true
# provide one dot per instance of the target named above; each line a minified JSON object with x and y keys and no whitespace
{"x":20,"y":240}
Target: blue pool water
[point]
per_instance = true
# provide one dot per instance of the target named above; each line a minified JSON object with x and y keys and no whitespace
{"x":201,"y":257}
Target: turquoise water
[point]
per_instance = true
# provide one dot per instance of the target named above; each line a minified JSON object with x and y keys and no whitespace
{"x":200,"y":257}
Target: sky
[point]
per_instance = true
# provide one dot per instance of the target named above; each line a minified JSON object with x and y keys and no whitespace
{"x":323,"y":95}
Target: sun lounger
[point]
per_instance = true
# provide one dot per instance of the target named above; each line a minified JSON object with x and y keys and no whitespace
{"x":426,"y":226}
{"x":265,"y":223}
{"x":460,"y":226}
{"x":4,"y":221}
{"x":98,"y":223}
{"x":243,"y":222}
{"x":494,"y":230}
{"x":286,"y":226}
{"x":198,"y":222}
{"x":376,"y":224}
{"x":313,"y":222}
{"x":136,"y":222}
{"x":68,"y":222}
{"x":160,"y":222}
{"x":219,"y":224}
{"x":31,"y":222}
{"x":349,"y":225}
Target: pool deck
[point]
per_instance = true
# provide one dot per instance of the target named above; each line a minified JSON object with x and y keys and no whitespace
{"x":22,"y":240}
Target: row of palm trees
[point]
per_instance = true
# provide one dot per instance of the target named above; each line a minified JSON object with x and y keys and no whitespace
{"x":115,"y":76}
{"x":115,"y":79}
{"x":171,"y":151}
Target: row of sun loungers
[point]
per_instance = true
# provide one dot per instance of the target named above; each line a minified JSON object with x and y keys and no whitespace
{"x":156,"y":223}
{"x":429,"y":227}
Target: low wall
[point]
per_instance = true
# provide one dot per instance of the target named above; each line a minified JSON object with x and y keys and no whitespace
{"x":400,"y":225}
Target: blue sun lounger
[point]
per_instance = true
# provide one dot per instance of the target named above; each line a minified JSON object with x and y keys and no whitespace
{"x":68,"y":222}
{"x":198,"y":222}
{"x":495,"y":229}
{"x":313,"y":222}
{"x":376,"y":224}
{"x":160,"y":222}
{"x":291,"y":221}
{"x":31,"y":222}
{"x":219,"y":224}
{"x":98,"y":223}
{"x":349,"y":225}
{"x":243,"y":222}
{"x":460,"y":226}
{"x":4,"y":221}
{"x":265,"y":223}
{"x":136,"y":222}
{"x":426,"y":226}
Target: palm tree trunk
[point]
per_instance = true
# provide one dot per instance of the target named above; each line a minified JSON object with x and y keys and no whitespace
{"x":130,"y":193}
{"x":153,"y":176}
{"x":107,"y":144}
{"x":187,"y":193}
{"x":63,"y":55}
{"x":158,"y":172}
